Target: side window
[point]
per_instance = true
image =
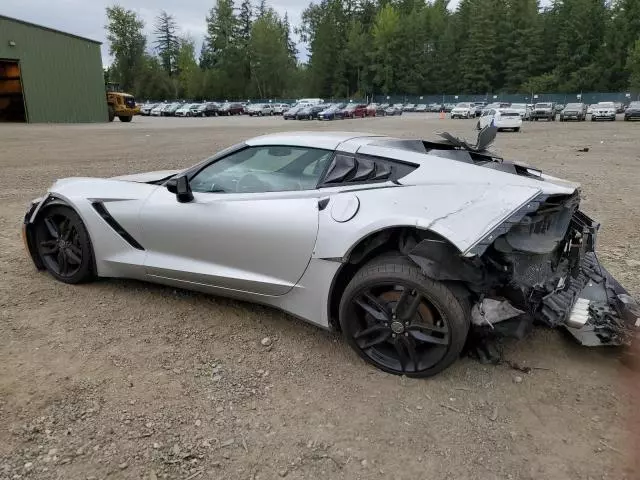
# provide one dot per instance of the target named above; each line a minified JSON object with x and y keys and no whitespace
{"x":263,"y":169}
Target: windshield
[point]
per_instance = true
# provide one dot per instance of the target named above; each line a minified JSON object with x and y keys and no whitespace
{"x":518,"y":105}
{"x":572,"y":105}
{"x":605,"y":104}
{"x":462,"y":105}
{"x":634,"y":105}
{"x":543,"y":105}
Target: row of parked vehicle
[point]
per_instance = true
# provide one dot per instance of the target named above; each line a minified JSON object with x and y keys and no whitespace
{"x":550,"y":111}
{"x":305,"y":109}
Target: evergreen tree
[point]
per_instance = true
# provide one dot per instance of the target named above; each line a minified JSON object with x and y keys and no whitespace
{"x":166,"y":43}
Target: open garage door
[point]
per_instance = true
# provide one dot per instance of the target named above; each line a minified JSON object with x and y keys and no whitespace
{"x":12,"y":107}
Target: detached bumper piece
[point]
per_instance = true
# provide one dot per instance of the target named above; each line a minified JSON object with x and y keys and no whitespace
{"x":593,"y":307}
{"x":591,"y":304}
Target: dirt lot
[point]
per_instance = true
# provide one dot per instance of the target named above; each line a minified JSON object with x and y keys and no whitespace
{"x":120,"y":379}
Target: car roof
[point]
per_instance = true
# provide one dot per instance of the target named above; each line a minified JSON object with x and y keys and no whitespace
{"x":328,"y":140}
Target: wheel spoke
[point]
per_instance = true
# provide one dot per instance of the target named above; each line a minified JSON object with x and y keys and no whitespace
{"x":51,"y":227}
{"x":368,"y":331}
{"x":48,"y":247}
{"x":426,"y":338}
{"x":411,"y":350}
{"x":423,"y":327}
{"x":62,"y":263}
{"x":370,"y":304}
{"x":65,"y":229}
{"x":409,"y":306}
{"x":383,"y":336}
{"x":73,"y":257}
{"x":402,"y":354}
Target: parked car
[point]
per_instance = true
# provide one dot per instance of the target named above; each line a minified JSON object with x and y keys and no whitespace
{"x":355,"y":110}
{"x":422,"y":108}
{"x":170,"y":109}
{"x":228,"y":109}
{"x":559,"y":107}
{"x":333,"y":112}
{"x":147,"y":107}
{"x":291,"y":113}
{"x":463,"y":110}
{"x":310,"y":112}
{"x":544,"y":110}
{"x":259,"y":109}
{"x":574,"y":111}
{"x":448,"y":107}
{"x":632,"y":112}
{"x":279,"y":108}
{"x":375,"y":110}
{"x":208,"y":109}
{"x":392,"y":110}
{"x":157,"y":110}
{"x":604,"y":111}
{"x":479,"y":107}
{"x":398,"y":270}
{"x":185,"y":110}
{"x":523,"y":110}
{"x":501,"y":118}
{"x":590,"y":109}
{"x":620,"y":107}
{"x":409,"y":107}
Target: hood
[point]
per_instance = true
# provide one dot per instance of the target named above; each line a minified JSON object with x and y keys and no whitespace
{"x":147,"y":177}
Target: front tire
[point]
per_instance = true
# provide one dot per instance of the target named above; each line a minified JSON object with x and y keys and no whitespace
{"x":64,"y":246}
{"x":112,"y":113}
{"x":125,"y":118}
{"x":402,"y":322}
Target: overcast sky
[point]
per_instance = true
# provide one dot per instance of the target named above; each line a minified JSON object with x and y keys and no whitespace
{"x":87,"y":17}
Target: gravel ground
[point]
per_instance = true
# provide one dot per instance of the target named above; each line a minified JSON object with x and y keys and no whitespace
{"x":121,"y":379}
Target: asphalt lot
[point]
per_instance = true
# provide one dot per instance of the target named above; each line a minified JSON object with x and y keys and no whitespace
{"x":121,"y":379}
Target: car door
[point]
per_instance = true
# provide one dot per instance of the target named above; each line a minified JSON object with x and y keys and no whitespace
{"x":251,"y":226}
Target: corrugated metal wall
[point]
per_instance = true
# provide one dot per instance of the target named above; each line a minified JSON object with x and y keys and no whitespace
{"x":62,"y":75}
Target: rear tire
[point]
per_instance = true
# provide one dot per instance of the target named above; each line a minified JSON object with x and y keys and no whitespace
{"x":112,"y":113}
{"x":517,"y":129}
{"x":402,"y":322}
{"x":64,"y":246}
{"x":125,"y":119}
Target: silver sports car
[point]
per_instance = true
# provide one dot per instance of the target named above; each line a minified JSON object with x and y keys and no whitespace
{"x":411,"y":248}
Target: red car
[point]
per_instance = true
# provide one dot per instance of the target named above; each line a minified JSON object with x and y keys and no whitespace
{"x":354,"y":110}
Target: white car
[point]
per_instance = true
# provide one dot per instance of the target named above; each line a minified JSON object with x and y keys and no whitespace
{"x":523,"y":110}
{"x":259,"y":109}
{"x":279,"y":108}
{"x":463,"y":110}
{"x":604,"y":111}
{"x":147,"y":107}
{"x":502,"y":118}
{"x":186,"y":110}
{"x":157,"y":110}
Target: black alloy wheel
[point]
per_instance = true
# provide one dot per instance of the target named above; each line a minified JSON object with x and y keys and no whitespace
{"x":63,"y":245}
{"x":402,"y":322}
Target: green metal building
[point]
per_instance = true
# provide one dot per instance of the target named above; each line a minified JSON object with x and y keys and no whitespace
{"x":49,"y":76}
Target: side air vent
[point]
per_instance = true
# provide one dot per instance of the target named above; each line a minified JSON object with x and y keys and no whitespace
{"x":104,"y":213}
{"x":346,"y":168}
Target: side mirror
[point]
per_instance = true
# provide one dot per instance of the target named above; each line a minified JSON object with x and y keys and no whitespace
{"x":180,"y":186}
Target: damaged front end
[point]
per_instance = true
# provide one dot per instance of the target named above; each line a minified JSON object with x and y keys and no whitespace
{"x":540,"y":265}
